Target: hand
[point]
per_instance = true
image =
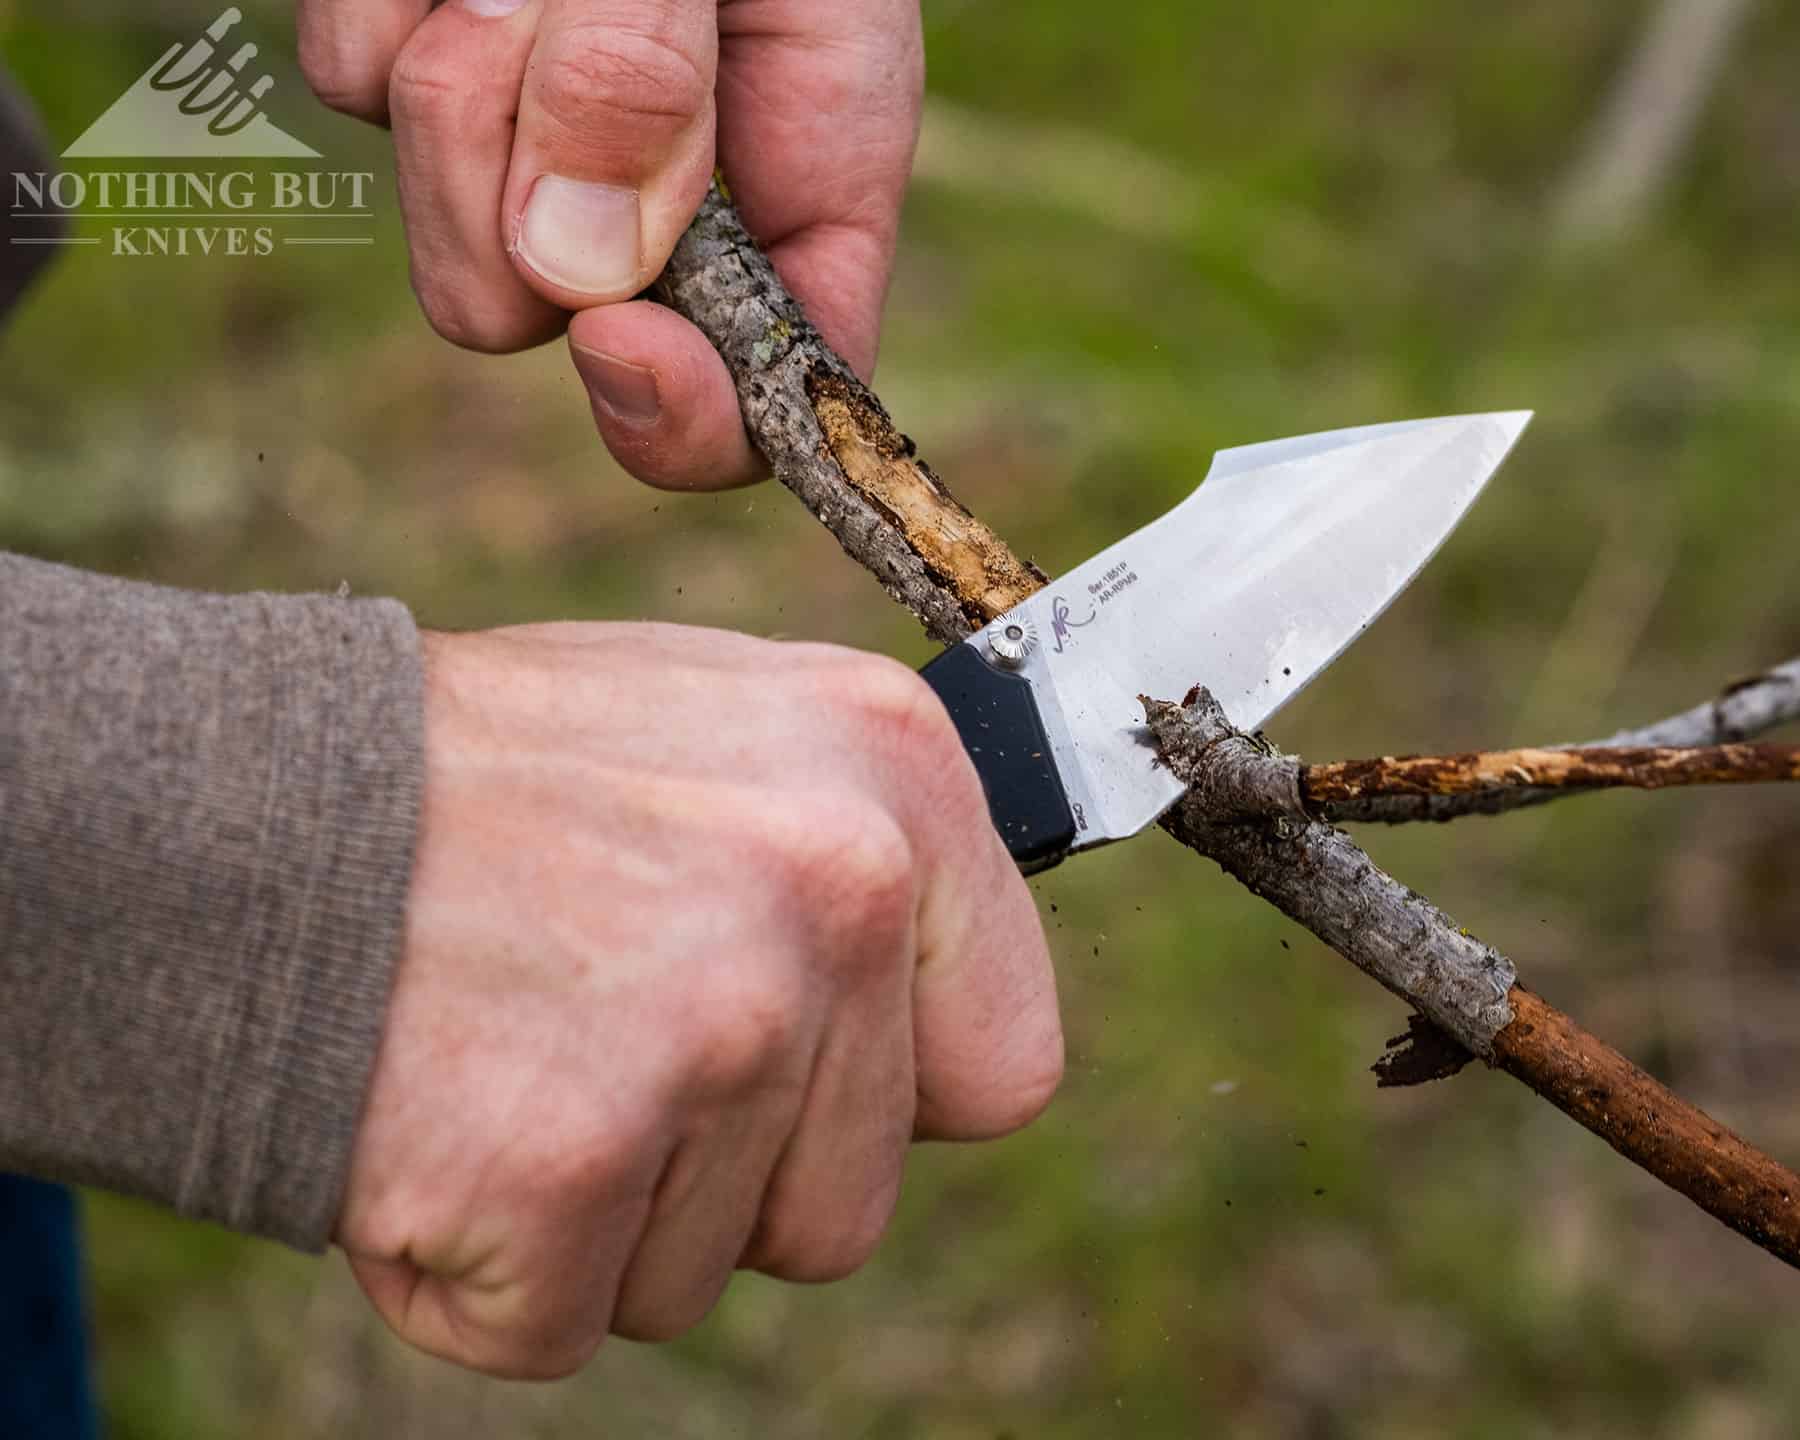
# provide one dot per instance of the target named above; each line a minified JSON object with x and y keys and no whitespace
{"x":702,"y":931}
{"x":551,"y":152}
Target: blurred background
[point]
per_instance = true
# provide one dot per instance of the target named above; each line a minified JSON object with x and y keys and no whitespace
{"x":1140,"y":232}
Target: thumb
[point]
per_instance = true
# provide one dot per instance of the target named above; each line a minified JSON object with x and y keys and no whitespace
{"x":614,"y":146}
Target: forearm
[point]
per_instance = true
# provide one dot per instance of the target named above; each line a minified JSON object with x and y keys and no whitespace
{"x":207,"y":814}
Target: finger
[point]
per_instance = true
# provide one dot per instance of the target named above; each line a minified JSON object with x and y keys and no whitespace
{"x":348,"y":49}
{"x":703,"y":1215}
{"x":987,"y":1033}
{"x":818,"y":117}
{"x":835,"y":1190}
{"x":615,"y":144}
{"x":738,"y":1062}
{"x":540,"y":1323}
{"x":453,"y":96}
{"x":662,"y":398}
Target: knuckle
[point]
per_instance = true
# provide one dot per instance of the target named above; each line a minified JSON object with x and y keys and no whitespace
{"x":465,"y":315}
{"x":420,"y":85}
{"x":916,"y":719}
{"x":742,"y":1036}
{"x":436,"y":83}
{"x":578,"y":1168}
{"x":885,"y":693}
{"x":339,"y":82}
{"x":899,"y":713}
{"x":890,"y":705}
{"x":875,"y":897}
{"x":850,"y":867}
{"x":612,"y":86}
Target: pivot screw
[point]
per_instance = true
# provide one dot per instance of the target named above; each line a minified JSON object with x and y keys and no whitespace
{"x":1010,"y":644}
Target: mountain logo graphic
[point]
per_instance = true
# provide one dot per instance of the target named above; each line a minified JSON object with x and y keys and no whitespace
{"x":194,"y":101}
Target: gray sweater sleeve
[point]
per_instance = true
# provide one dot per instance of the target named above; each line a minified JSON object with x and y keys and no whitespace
{"x":207,"y":811}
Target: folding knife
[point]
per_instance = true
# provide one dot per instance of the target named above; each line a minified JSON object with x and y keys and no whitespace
{"x":1251,"y":586}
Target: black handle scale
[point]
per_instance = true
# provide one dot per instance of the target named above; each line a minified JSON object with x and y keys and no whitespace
{"x":997,"y":717}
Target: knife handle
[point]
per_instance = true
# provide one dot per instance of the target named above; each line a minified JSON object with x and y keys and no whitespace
{"x":997,"y":717}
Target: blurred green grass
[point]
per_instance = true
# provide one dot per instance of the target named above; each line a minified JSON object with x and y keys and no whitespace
{"x":1143,"y":234}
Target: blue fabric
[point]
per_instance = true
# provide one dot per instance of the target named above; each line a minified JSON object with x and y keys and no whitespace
{"x":44,"y":1388}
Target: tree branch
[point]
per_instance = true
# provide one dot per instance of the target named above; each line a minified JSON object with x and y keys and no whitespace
{"x":1326,"y":788}
{"x":1744,"y":709}
{"x":1265,"y":784}
{"x":829,"y":440}
{"x":1644,"y":1121}
{"x":1319,"y":877}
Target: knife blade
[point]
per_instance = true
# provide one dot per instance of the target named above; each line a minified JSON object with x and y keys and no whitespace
{"x":1252,"y":586}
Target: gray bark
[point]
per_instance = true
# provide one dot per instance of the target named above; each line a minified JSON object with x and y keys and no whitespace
{"x":1319,"y":877}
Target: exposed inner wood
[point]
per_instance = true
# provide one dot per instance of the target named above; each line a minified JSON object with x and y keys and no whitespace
{"x":1746,"y":708}
{"x":1643,"y":768}
{"x":880,"y":463}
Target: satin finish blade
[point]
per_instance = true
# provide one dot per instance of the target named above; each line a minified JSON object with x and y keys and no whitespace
{"x":1251,"y":586}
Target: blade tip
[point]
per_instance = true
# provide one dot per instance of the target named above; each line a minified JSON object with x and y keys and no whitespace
{"x":1510,"y":423}
{"x":1514,"y":422}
